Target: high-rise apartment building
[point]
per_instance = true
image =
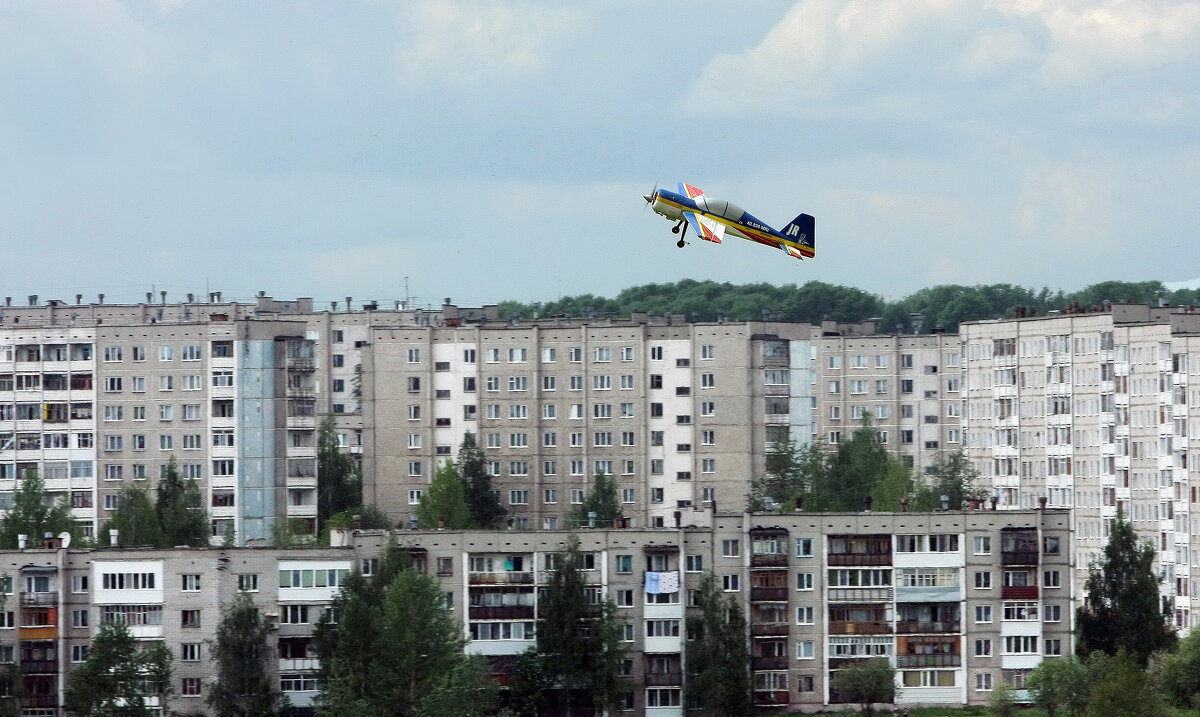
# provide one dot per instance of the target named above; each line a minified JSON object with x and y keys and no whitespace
{"x":680,"y":414}
{"x":1094,"y":411}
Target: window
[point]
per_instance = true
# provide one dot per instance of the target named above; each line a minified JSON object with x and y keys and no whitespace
{"x":518,"y":497}
{"x":804,"y":615}
{"x":983,"y":648}
{"x":983,"y":613}
{"x":983,"y":545}
{"x":804,"y":581}
{"x":731,"y":583}
{"x":694,"y":563}
{"x":191,"y":618}
{"x":1051,"y":579}
{"x":189,"y":582}
{"x":1050,"y":545}
{"x":805,"y":650}
{"x":662,"y":628}
{"x":1020,"y":645}
{"x":624,"y":563}
{"x":983,"y":580}
{"x":189,"y":652}
{"x":79,"y":653}
{"x":1052,"y":613}
{"x":1020,"y":611}
{"x":248,"y":582}
{"x":804,"y":547}
{"x":625,"y":599}
{"x":1053,"y":647}
{"x":79,"y":618}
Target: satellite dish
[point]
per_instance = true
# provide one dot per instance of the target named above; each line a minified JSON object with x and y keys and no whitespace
{"x":65,"y":537}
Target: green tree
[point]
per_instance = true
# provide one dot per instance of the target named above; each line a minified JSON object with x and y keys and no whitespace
{"x":396,"y":650}
{"x":33,"y":515}
{"x":1003,"y":700}
{"x":1061,"y":683}
{"x":1180,"y":672}
{"x":339,"y":484}
{"x":790,"y":473}
{"x":119,"y":676}
{"x":241,"y":650}
{"x":11,"y":689}
{"x":135,"y":520}
{"x":718,"y":659}
{"x":1122,"y":609}
{"x":1121,"y":687}
{"x":578,"y":641}
{"x":855,"y":471}
{"x":601,"y":500}
{"x":953,"y":476}
{"x":446,"y":498}
{"x":867,"y":683}
{"x":485,"y":506}
{"x":369,"y":518}
{"x":291,"y":533}
{"x":180,"y":509}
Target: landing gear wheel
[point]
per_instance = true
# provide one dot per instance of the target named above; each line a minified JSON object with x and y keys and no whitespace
{"x":675,"y":229}
{"x":680,"y":243}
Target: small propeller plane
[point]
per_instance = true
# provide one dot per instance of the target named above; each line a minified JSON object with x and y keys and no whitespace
{"x":713,"y":218}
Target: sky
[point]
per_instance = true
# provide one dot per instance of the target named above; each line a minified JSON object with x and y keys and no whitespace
{"x":489,"y":151}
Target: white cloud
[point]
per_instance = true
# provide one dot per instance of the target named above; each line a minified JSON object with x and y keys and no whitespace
{"x":475,"y":42}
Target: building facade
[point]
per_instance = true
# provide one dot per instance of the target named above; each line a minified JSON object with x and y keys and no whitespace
{"x":956,"y":600}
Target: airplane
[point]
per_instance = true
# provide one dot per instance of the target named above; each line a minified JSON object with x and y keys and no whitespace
{"x":713,"y":218}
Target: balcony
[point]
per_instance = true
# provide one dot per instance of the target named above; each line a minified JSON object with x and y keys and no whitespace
{"x":852,"y":559}
{"x":664,"y":679}
{"x":50,"y":598}
{"x":860,"y":628}
{"x":860,"y":594}
{"x":295,"y":664}
{"x":503,"y":612}
{"x":300,"y":364}
{"x":768,"y":560}
{"x":769,"y":628}
{"x":1019,"y":557}
{"x":916,"y":627}
{"x":40,"y":700}
{"x":928,"y":660}
{"x":505,"y":578}
{"x":768,"y":663}
{"x":770,"y":697}
{"x":768,"y":594}
{"x":38,"y":667}
{"x":1019,"y":592}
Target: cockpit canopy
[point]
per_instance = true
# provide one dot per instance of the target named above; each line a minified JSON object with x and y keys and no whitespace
{"x":720,"y":207}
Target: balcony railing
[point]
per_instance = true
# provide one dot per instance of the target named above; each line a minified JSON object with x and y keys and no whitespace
{"x":768,"y":594}
{"x":768,"y":628}
{"x":505,"y":578}
{"x":860,"y":628}
{"x":39,"y":667}
{"x":911,"y":627}
{"x":501,"y":612}
{"x":768,"y":560}
{"x":768,"y":663}
{"x":40,"y":700}
{"x":39,"y":598}
{"x":928,"y":660}
{"x":770,"y":697}
{"x":860,"y":594}
{"x":860,"y":559}
{"x":1019,"y":557}
{"x":289,"y":664}
{"x":1019,"y":592}
{"x":664,"y":679}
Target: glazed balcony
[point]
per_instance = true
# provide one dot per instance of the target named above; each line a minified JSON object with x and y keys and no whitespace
{"x":918,"y":627}
{"x":1019,"y":557}
{"x":500,"y":578}
{"x":768,"y":560}
{"x":769,"y":628}
{"x":1019,"y":592}
{"x":505,"y":612}
{"x":860,"y":628}
{"x":768,"y":594}
{"x":928,"y":660}
{"x":768,"y":663}
{"x":664,"y":679}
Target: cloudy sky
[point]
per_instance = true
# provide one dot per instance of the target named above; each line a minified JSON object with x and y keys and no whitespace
{"x":498,"y":150}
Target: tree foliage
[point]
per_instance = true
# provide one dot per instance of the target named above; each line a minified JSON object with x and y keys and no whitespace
{"x":1120,"y":686}
{"x":601,"y":500}
{"x":396,"y":650}
{"x":1123,"y":610}
{"x":32,"y":515}
{"x":718,"y":659}
{"x":952,"y":476}
{"x":339,"y":482}
{"x":1179,"y":672}
{"x":135,"y":520}
{"x":578,"y":644}
{"x":445,"y":499}
{"x":180,"y":508}
{"x":119,"y":675}
{"x":1061,"y":683}
{"x":867,"y":683}
{"x":486,"y":511}
{"x":944,"y":305}
{"x":242,"y":652}
{"x":1003,"y":700}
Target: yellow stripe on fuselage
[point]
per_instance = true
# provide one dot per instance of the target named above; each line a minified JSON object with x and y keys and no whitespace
{"x":742,"y":232}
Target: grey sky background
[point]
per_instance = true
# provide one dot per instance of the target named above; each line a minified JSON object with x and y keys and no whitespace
{"x":499,"y":150}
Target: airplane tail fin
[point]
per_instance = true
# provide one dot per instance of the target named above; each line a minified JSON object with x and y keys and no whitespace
{"x":802,"y":230}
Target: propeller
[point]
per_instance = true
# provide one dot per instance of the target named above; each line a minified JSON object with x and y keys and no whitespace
{"x":650,"y":197}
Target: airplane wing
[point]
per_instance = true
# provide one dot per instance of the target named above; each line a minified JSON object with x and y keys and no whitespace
{"x":707,"y":228}
{"x":689,"y":191}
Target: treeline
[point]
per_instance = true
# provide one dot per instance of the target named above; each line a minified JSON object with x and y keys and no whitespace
{"x":945,"y":305}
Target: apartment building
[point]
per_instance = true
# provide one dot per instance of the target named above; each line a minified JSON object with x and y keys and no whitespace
{"x":680,"y":414}
{"x":908,"y":386}
{"x":95,"y":407}
{"x":1095,"y":411}
{"x":956,"y":600}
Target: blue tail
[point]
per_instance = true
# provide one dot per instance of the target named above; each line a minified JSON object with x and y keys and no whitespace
{"x":802,"y":230}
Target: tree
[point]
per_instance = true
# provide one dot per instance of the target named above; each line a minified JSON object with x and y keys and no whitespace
{"x":445,"y":499}
{"x":369,"y":518}
{"x":578,"y":641}
{"x":485,"y":506}
{"x":854,"y":471}
{"x":1063,"y":682}
{"x":790,"y":474}
{"x":396,"y":650}
{"x":244,"y":686}
{"x":1180,"y":672}
{"x":135,"y":520}
{"x":11,"y":689}
{"x":953,"y":476}
{"x":718,"y":658}
{"x":1121,"y":687}
{"x":30,"y":514}
{"x":290,"y":533}
{"x":180,"y":509}
{"x":601,"y":500}
{"x":1123,"y":609}
{"x":119,"y":675}
{"x":339,"y":485}
{"x":1003,"y":700}
{"x":867,"y":682}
